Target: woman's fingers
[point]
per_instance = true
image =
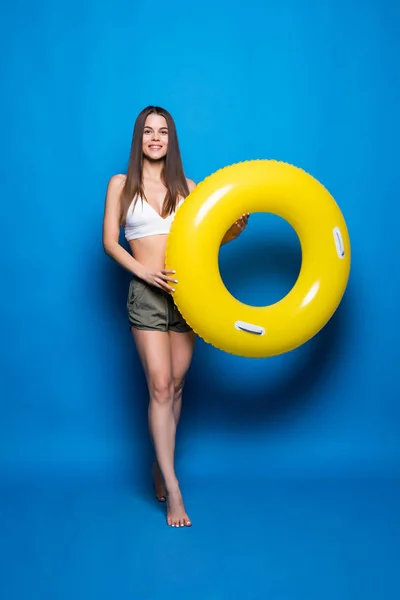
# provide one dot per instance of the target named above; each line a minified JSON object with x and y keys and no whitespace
{"x":164,"y":275}
{"x":242,"y":220}
{"x":164,"y":285}
{"x":240,"y":224}
{"x":166,"y":279}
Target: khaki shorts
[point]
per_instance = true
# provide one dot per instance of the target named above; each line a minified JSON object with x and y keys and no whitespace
{"x":153,"y":309}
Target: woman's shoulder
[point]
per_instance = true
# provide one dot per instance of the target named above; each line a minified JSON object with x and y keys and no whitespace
{"x":115,"y":186}
{"x":116,"y":181}
{"x":191,"y":184}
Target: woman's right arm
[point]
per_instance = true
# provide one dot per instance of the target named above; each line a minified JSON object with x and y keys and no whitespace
{"x":112,"y":247}
{"x":112,"y":225}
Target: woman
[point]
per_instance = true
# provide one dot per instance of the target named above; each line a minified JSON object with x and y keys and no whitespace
{"x":144,"y":201}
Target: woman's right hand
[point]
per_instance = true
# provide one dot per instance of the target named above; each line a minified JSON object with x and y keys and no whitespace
{"x":160,"y":279}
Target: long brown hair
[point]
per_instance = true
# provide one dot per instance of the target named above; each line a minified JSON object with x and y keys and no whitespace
{"x":172,"y":175}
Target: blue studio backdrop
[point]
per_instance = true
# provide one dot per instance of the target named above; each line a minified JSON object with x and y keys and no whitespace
{"x":311,"y":83}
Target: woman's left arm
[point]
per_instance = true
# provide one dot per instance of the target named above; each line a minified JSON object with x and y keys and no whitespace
{"x":237,"y":228}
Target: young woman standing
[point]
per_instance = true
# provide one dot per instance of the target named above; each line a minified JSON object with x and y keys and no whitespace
{"x":144,"y":201}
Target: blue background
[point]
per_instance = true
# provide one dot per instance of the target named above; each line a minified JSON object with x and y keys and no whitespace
{"x":291,"y":465}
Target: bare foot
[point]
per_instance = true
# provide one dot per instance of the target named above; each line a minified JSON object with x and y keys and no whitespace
{"x":159,"y":487}
{"x":176,"y":513}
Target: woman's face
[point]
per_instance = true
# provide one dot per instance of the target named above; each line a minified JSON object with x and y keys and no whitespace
{"x":155,"y":137}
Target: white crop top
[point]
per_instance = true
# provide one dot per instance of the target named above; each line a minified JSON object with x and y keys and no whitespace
{"x":143,"y":221}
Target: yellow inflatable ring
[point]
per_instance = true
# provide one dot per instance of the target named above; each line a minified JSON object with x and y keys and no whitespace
{"x":193,"y":246}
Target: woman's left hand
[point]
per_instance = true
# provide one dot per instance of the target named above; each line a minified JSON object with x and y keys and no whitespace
{"x":239,"y":226}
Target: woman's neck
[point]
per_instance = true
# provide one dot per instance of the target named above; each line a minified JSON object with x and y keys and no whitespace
{"x":152,"y":169}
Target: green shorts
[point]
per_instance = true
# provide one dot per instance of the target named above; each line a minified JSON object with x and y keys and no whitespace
{"x":153,"y":309}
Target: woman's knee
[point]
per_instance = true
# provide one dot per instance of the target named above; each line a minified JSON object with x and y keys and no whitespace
{"x":161,"y":389}
{"x":178,"y":387}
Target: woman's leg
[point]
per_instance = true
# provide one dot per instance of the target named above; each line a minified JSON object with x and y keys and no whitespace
{"x":182,"y":345}
{"x":154,"y":349}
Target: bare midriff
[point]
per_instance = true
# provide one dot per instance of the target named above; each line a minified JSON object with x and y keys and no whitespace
{"x":150,"y":251}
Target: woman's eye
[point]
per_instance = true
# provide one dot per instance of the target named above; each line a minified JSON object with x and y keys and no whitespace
{"x":164,"y":133}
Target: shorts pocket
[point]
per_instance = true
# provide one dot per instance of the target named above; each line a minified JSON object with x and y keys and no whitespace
{"x":137,"y":288}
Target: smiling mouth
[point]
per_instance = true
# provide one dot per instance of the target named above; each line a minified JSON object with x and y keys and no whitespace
{"x":155,"y":147}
